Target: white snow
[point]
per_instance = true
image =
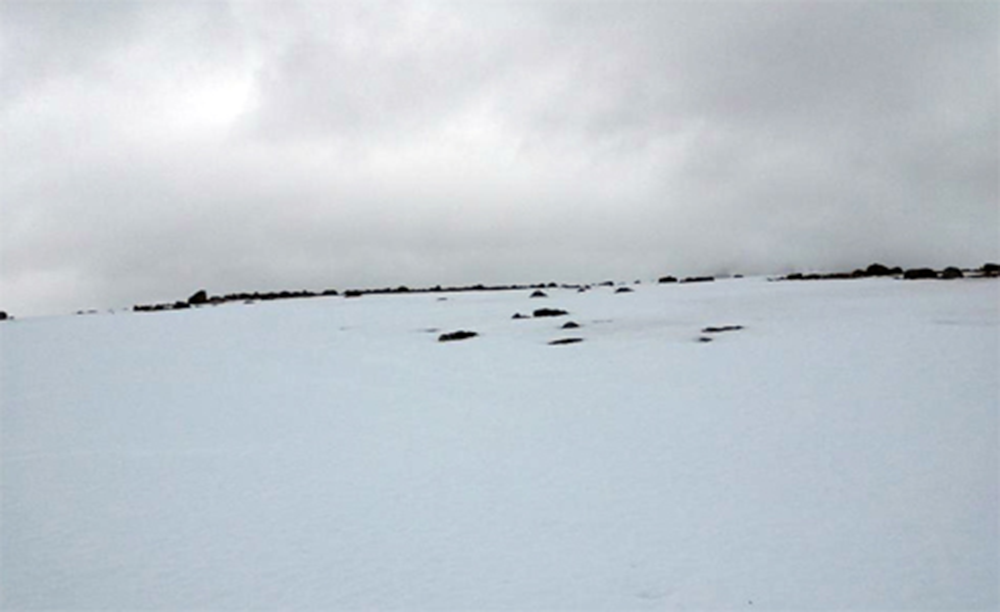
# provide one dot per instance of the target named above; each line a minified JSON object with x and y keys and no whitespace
{"x":839,"y":452}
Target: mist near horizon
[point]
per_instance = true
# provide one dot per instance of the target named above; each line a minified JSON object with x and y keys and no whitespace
{"x":153,"y":149}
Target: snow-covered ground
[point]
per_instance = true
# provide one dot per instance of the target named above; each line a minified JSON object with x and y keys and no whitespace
{"x":839,"y":452}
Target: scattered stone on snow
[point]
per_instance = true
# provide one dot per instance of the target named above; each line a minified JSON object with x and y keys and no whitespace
{"x":919,"y":273}
{"x":457,"y":335}
{"x":877,"y":269}
{"x":570,"y":325}
{"x":623,"y":290}
{"x":720,"y":329}
{"x":951,"y":272}
{"x":199,"y":298}
{"x":561,"y":341}
{"x":538,"y":293}
{"x":549,"y":312}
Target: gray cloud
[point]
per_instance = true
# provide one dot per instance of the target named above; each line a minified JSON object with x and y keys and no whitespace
{"x":153,"y":148}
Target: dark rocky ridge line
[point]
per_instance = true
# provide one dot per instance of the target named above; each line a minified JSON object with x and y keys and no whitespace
{"x":988,"y":270}
{"x":201,"y":298}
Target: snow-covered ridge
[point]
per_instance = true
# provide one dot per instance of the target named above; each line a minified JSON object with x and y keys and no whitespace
{"x":201,"y":297}
{"x":834,"y":446}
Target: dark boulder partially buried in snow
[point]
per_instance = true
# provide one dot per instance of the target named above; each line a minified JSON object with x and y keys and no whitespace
{"x":549,"y":312}
{"x":199,"y":298}
{"x":951,"y":272}
{"x":457,"y":335}
{"x":721,"y":328}
{"x":919,"y":273}
{"x":698,"y":279}
{"x":877,"y":269}
{"x":562,"y":341}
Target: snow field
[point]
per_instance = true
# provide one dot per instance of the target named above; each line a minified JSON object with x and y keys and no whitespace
{"x":838,"y":452}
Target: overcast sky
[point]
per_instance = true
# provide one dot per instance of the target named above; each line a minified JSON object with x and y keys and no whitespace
{"x":150,"y":149}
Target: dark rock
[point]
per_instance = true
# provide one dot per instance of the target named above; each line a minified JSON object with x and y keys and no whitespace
{"x":623,"y":290}
{"x":352,"y":293}
{"x":181,"y":305}
{"x":919,"y":273}
{"x":723,"y":328}
{"x":794,"y":276}
{"x":667,"y":279}
{"x":951,"y":272}
{"x":877,"y":269}
{"x":698,"y":279}
{"x":457,"y":335}
{"x":330,"y":292}
{"x":990,"y":269}
{"x":704,"y":339}
{"x":198,"y":298}
{"x":561,"y":341}
{"x":570,"y":325}
{"x":518,"y":315}
{"x":3,"y":316}
{"x":538,"y":293}
{"x":549,"y":312}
